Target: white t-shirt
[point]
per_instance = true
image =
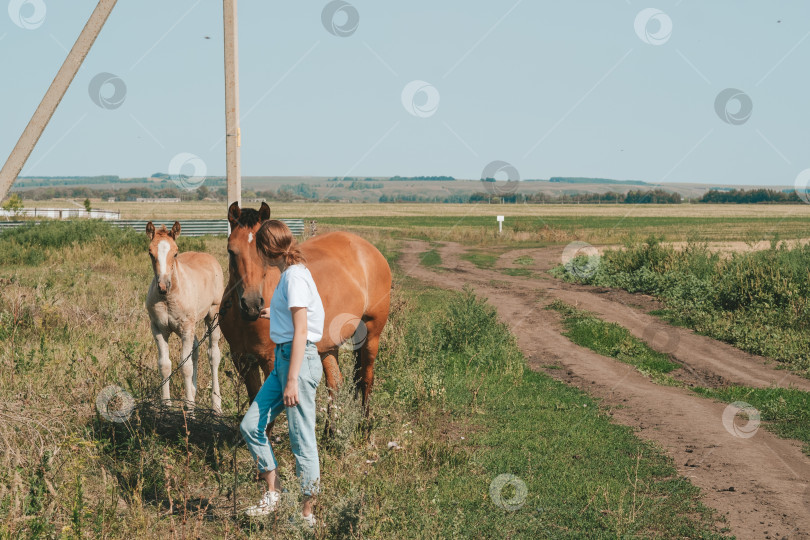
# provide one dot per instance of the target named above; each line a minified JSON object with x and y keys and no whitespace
{"x":296,"y":288}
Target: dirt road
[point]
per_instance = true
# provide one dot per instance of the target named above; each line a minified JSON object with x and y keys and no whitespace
{"x":759,"y":483}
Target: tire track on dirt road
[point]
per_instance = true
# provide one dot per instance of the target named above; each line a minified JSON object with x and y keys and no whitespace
{"x":769,"y":476}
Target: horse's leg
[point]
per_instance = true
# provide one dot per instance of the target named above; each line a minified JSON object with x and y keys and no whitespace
{"x":358,"y":366}
{"x":253,"y":381}
{"x":364,"y":369}
{"x":334,"y":378}
{"x":195,"y":358}
{"x":164,"y":363}
{"x":331,"y":370}
{"x":214,"y":357}
{"x":246,"y":365}
{"x":189,"y":368}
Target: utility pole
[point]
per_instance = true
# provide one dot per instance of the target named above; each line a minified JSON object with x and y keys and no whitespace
{"x":50,"y":101}
{"x":232,"y":133}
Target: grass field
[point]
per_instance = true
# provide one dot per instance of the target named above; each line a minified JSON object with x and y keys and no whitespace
{"x":452,"y":392}
{"x":213,"y":209}
{"x":529,"y":225}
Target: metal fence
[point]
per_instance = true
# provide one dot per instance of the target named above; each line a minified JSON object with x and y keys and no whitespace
{"x":188,"y":227}
{"x":61,"y":213}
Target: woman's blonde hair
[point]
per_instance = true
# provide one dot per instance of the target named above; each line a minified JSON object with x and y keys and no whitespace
{"x":274,"y":239}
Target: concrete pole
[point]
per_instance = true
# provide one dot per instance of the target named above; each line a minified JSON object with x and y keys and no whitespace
{"x":232,"y":133}
{"x":28,"y":140}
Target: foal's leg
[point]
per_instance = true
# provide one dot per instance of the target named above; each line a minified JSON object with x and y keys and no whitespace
{"x":214,"y":357}
{"x":189,"y":368}
{"x":164,"y":363}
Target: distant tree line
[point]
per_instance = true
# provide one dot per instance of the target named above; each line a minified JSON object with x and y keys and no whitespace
{"x":403,"y":198}
{"x":750,"y":196}
{"x":304,"y":191}
{"x":579,"y":180}
{"x":130,"y":194}
{"x":285,"y":194}
{"x":356,"y":185}
{"x":655,"y":196}
{"x":422,"y":178}
{"x":351,"y":179}
{"x":393,"y":179}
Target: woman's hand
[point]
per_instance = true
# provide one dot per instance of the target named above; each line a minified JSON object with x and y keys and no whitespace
{"x":265,"y":313}
{"x":291,"y":394}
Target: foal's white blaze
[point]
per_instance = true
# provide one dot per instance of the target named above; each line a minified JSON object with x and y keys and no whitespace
{"x":163,"y":252}
{"x":250,"y":237}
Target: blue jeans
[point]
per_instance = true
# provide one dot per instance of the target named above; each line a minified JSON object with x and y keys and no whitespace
{"x":269,"y":403}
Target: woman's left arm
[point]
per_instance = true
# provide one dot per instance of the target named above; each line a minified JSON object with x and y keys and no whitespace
{"x":299,"y":344}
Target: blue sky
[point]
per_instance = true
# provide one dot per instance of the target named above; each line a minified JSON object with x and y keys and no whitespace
{"x":554,"y":88}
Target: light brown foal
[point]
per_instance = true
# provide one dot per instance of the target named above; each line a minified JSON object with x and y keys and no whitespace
{"x":187,"y":287}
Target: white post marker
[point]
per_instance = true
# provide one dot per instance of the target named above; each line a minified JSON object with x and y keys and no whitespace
{"x":500,"y":224}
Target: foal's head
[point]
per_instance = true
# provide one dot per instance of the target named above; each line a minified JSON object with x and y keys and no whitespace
{"x":247,"y":269}
{"x":163,"y":251}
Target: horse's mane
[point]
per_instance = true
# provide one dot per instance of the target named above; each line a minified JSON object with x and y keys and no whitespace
{"x":248,"y":217}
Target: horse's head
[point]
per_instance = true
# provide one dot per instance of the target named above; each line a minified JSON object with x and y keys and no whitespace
{"x":162,"y":251}
{"x":247,"y":269}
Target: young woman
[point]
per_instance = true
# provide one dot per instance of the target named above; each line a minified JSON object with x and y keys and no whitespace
{"x":296,"y":324}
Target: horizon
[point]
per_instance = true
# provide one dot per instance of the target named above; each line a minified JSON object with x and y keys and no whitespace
{"x":605,"y":181}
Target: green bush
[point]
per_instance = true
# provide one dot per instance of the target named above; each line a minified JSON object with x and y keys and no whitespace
{"x":757,"y":301}
{"x":29,"y":244}
{"x":470,"y":326}
{"x":59,"y":234}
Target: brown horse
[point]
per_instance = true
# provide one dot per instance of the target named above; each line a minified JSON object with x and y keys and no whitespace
{"x":187,"y":287}
{"x":353,"y":280}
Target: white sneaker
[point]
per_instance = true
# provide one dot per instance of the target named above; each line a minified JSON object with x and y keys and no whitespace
{"x":265,"y":506}
{"x":309,"y":520}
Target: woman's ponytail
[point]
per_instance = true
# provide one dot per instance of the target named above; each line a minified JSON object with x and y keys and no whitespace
{"x":274,"y":239}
